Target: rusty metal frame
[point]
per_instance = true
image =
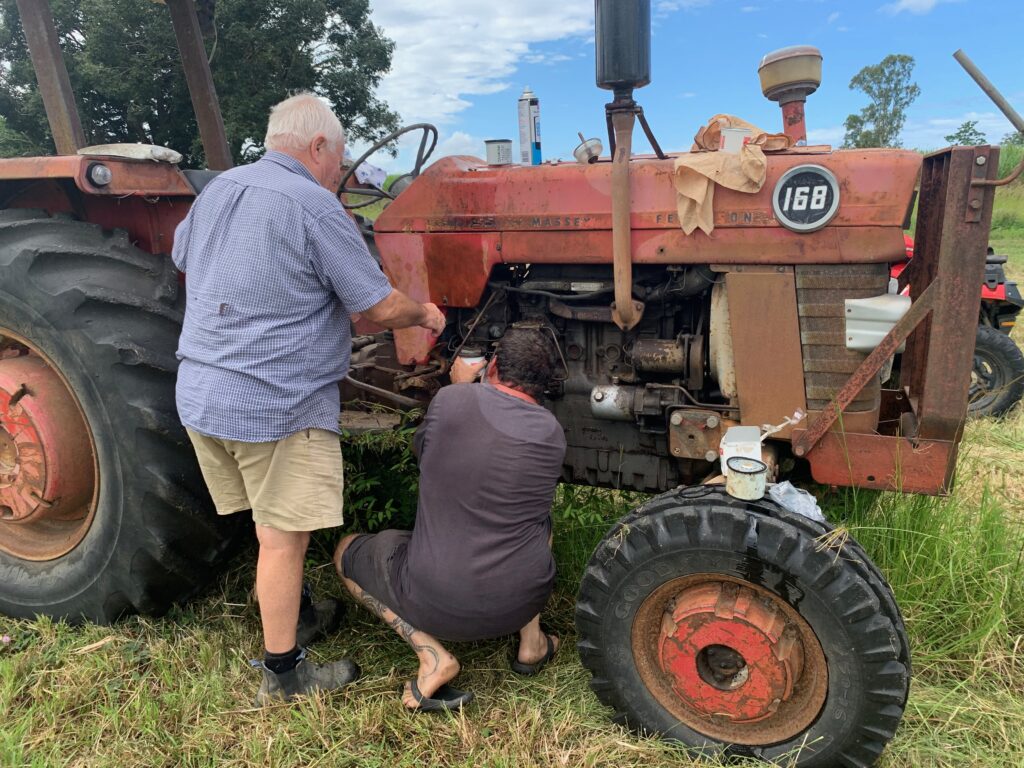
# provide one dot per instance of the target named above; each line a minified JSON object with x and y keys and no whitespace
{"x":200,"y":84}
{"x":52,"y":75}
{"x":953,"y":221}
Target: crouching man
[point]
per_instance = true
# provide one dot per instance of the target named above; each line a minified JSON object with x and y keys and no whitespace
{"x":478,"y":562}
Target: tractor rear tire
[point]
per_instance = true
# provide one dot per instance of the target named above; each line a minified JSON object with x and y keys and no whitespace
{"x":740,"y":629}
{"x":100,"y":318}
{"x":997,"y":379}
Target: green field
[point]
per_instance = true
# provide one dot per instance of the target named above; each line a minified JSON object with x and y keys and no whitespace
{"x":175,"y":691}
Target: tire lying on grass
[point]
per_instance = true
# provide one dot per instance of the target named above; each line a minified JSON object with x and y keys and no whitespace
{"x":997,"y":378}
{"x":742,"y":629}
{"x":102,"y":508}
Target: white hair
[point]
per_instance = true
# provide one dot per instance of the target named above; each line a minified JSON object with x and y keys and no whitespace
{"x":295,"y":121}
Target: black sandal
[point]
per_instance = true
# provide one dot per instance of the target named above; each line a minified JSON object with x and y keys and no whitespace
{"x":445,"y":699}
{"x":529,"y":670}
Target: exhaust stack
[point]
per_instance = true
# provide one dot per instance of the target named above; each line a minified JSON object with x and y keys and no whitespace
{"x":623,"y":53}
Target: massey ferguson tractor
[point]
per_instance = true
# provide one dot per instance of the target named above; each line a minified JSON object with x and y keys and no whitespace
{"x":719,"y":618}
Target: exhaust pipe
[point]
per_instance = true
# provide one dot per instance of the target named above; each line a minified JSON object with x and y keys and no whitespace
{"x":623,"y":58}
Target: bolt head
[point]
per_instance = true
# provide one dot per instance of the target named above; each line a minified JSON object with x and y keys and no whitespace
{"x":712,"y":422}
{"x":981,"y":160}
{"x":710,"y":456}
{"x":677,"y":418}
{"x":599,"y":396}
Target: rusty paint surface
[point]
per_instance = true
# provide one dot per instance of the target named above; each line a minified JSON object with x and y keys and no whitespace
{"x":461,"y":193}
{"x":883,"y":462}
{"x":47,"y":475}
{"x":952,"y":234}
{"x":448,"y":270}
{"x":130,"y":177}
{"x":793,"y":122}
{"x":766,"y":345}
{"x":52,"y":75}
{"x":196,"y":64}
{"x":729,"y":659}
{"x":694,"y":434}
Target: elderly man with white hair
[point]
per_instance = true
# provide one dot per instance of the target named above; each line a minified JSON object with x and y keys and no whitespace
{"x":274,"y":269}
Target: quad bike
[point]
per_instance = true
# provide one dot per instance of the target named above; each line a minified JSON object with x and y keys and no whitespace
{"x":997,"y":378}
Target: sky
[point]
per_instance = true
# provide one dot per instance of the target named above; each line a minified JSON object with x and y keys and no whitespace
{"x":462,"y":64}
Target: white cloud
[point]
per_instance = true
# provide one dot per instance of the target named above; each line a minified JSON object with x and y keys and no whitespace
{"x":687,"y":95}
{"x":931,"y":134}
{"x":914,"y":6}
{"x":832,"y":17}
{"x":749,"y":9}
{"x":670,"y":6}
{"x":448,"y":51}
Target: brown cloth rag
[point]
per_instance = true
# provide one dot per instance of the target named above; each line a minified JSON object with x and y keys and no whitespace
{"x":697,"y":172}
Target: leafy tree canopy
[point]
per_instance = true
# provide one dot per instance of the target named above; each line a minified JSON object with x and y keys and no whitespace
{"x":124,"y":67}
{"x":888,"y":86}
{"x":1015,"y":139}
{"x":967,"y":135}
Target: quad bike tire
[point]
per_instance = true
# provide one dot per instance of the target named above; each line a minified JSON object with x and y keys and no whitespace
{"x":89,"y":326}
{"x":740,"y":629}
{"x":997,"y":379}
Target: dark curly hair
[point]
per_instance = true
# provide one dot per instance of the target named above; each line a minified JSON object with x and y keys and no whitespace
{"x":526,"y":360}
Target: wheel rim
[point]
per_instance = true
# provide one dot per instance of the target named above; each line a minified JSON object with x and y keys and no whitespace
{"x":730,"y":659}
{"x":47,"y":459}
{"x":988,"y":379}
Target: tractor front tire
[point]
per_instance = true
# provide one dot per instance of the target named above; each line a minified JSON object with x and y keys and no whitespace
{"x":997,"y":379}
{"x":740,"y":629}
{"x":103,"y":511}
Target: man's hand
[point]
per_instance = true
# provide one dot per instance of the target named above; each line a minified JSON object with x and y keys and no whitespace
{"x":399,"y":311}
{"x":463,"y":372}
{"x":434,"y":321}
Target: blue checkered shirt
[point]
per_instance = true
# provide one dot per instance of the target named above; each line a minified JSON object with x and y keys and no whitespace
{"x":274,"y":267}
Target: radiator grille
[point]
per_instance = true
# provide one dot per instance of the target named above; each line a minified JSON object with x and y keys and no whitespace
{"x":821,"y":291}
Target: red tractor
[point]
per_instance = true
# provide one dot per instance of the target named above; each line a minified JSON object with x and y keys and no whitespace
{"x":736,"y":626}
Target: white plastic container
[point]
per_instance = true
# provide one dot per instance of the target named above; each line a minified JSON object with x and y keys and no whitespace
{"x":499,"y":151}
{"x":733,"y":139}
{"x":740,"y":441}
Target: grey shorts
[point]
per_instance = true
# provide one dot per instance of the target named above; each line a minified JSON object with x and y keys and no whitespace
{"x":369,"y":561}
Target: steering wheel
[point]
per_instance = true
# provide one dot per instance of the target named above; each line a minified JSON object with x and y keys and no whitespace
{"x":427,"y":143}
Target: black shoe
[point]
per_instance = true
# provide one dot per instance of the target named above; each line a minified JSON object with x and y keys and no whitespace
{"x":316,"y":620}
{"x":304,"y":679}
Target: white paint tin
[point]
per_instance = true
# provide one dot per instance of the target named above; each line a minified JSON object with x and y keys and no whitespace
{"x":499,"y":151}
{"x":746,"y":478}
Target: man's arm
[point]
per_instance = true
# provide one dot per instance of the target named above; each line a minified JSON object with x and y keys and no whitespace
{"x":399,"y":311}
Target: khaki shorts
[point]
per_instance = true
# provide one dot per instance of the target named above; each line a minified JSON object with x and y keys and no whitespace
{"x":292,"y":484}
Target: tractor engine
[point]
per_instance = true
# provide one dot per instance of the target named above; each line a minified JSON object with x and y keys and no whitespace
{"x":615,"y":389}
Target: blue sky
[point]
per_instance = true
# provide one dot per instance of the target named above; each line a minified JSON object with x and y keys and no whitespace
{"x":462,"y":64}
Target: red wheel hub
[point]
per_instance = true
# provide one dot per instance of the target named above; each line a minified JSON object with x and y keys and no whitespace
{"x":730,"y":659}
{"x":47,"y":473}
{"x":729,"y":653}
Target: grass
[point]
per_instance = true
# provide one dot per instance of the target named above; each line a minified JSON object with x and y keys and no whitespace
{"x":176,"y":691}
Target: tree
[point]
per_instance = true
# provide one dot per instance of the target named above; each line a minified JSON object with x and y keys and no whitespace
{"x":124,"y":68}
{"x":888,"y":86}
{"x":1015,"y":139}
{"x":967,"y":135}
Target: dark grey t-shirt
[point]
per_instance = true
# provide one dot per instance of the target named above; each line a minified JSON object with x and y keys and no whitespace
{"x":478,"y":564}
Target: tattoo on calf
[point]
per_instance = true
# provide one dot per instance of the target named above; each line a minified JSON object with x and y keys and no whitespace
{"x":404,"y":629}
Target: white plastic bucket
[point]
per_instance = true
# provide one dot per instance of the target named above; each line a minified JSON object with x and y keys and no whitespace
{"x":733,"y":139}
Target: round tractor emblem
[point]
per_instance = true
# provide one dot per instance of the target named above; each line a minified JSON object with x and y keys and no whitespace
{"x":806,"y":198}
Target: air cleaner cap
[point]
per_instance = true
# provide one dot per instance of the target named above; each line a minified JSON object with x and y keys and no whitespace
{"x":790,"y":74}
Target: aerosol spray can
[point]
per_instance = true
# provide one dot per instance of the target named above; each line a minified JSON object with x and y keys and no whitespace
{"x":529,"y":128}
